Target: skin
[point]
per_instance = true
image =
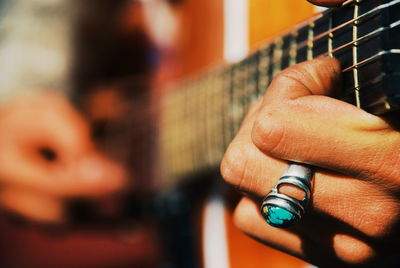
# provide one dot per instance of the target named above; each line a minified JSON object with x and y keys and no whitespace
{"x":327,"y":3}
{"x":352,"y":219}
{"x":35,"y":185}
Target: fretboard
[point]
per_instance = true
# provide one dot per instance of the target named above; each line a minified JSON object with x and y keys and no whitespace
{"x":201,"y":116}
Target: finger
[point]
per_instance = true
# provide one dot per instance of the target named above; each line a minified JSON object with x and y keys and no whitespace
{"x":247,"y":168}
{"x":296,"y":123}
{"x":320,"y":76}
{"x":32,"y":205}
{"x":255,"y":173}
{"x":308,"y":244}
{"x":88,"y":175}
{"x":343,"y":198}
{"x":46,"y":118}
{"x":54,"y":154}
{"x":327,"y":3}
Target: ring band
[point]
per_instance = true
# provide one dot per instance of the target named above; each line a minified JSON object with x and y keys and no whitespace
{"x":281,"y":210}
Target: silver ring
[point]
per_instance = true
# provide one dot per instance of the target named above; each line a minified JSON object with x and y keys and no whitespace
{"x":281,"y":210}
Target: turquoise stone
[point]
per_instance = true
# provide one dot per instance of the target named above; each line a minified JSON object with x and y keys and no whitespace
{"x":279,"y":217}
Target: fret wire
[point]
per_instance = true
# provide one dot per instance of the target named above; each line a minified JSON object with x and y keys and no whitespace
{"x":293,"y":49}
{"x":212,"y":132}
{"x":355,"y":57}
{"x":197,"y":106}
{"x":359,"y":39}
{"x":277,"y":56}
{"x":246,"y":85}
{"x":330,"y":38}
{"x":220,"y":111}
{"x":250,"y":83}
{"x":227,"y":84}
{"x":208,"y":114}
{"x":227,"y":109}
{"x":204,"y":121}
{"x":310,"y":41}
{"x":181,"y":129}
{"x":219,"y":124}
{"x":255,"y":77}
{"x":231,"y":102}
{"x":263,"y":67}
{"x":192,"y":123}
{"x":238,"y":96}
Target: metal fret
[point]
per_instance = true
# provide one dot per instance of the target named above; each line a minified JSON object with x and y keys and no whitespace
{"x":264,"y":65}
{"x":192,"y":103}
{"x":236,"y":109}
{"x":277,"y":57}
{"x":252,"y":79}
{"x":214,"y":120}
{"x":293,"y":48}
{"x":330,"y":38}
{"x":226,"y":102}
{"x":310,"y":41}
{"x":180,"y":131}
{"x":208,"y":104}
{"x":202,"y":109}
{"x":185,"y":133}
{"x":355,"y":57}
{"x":233,"y":109}
{"x":218,"y":116}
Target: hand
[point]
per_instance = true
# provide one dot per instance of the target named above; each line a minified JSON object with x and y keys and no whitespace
{"x":327,"y":3}
{"x":353,"y":216}
{"x":46,"y":155}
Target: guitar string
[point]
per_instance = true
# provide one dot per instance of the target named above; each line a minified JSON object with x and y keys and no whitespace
{"x":365,"y":37}
{"x":353,"y":20}
{"x":362,"y":38}
{"x":201,"y":74}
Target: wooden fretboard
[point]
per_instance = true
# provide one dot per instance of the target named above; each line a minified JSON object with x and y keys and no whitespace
{"x":202,"y":114}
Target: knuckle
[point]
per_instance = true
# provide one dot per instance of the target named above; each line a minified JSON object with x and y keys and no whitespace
{"x":241,"y":216}
{"x":293,"y":74}
{"x":268,"y":131}
{"x":352,"y":250}
{"x":233,"y":165}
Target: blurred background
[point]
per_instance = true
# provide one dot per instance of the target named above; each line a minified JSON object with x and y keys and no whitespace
{"x":81,"y":180}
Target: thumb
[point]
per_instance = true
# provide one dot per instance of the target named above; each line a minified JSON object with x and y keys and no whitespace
{"x":320,"y":76}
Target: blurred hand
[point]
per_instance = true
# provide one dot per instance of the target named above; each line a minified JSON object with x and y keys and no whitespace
{"x":46,"y":155}
{"x":353,"y":217}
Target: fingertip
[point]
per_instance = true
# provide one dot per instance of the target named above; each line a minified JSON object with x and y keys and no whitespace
{"x":246,"y":210}
{"x":327,"y":3}
{"x":322,"y":76}
{"x":32,"y":204}
{"x":102,"y":174}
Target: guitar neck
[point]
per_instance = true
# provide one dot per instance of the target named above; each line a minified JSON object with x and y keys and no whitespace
{"x":202,"y":114}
